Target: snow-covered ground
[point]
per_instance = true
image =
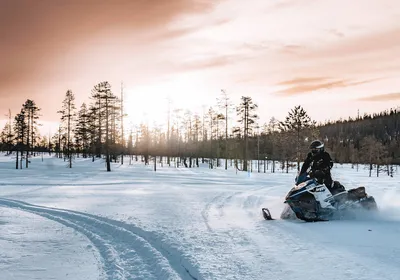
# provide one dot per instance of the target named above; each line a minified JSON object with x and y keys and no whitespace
{"x":179,"y":223}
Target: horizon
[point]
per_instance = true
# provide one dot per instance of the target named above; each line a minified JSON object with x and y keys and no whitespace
{"x":281,"y":54}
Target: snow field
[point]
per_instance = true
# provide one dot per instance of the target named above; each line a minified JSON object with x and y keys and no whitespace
{"x":197,"y":223}
{"x":36,"y":248}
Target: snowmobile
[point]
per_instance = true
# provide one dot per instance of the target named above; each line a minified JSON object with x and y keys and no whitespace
{"x":311,"y":201}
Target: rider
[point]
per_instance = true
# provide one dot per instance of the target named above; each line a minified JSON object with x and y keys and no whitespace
{"x":321,"y":164}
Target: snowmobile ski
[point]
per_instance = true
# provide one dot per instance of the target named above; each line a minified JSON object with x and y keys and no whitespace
{"x":267,"y":214}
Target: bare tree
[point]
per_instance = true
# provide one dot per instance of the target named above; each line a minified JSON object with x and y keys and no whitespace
{"x":225,"y":103}
{"x":374,"y":153}
{"x":122,"y":124}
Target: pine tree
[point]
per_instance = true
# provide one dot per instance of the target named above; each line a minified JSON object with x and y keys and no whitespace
{"x":31,"y":115}
{"x":21,"y":136}
{"x":297,"y":122}
{"x":7,"y":135}
{"x":67,"y":118}
{"x":105,"y":102}
{"x":82,"y":130}
{"x":247,"y":116}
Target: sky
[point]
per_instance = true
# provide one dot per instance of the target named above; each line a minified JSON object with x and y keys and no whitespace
{"x":333,"y":57}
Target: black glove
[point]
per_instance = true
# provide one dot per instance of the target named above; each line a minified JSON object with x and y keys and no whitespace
{"x":326,"y":170}
{"x":319,"y":173}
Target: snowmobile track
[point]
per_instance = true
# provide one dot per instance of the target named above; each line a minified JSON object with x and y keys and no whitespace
{"x":124,"y":248}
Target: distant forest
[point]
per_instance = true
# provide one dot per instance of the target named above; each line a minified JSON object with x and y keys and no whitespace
{"x":223,"y":133}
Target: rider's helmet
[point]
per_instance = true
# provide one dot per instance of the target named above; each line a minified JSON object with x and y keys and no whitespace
{"x":317,"y":147}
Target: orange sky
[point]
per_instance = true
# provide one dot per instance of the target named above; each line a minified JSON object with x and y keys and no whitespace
{"x":332,"y":56}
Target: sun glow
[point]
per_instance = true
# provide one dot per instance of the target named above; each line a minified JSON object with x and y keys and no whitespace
{"x":150,"y":104}
{"x":145,"y":105}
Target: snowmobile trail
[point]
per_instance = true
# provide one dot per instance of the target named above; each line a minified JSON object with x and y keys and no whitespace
{"x":219,"y":202}
{"x":127,"y":252}
{"x":227,"y":218}
{"x":37,"y":187}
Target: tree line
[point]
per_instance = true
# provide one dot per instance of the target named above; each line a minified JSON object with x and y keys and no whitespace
{"x":220,"y":133}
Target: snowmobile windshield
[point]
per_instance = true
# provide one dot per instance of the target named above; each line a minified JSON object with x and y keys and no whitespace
{"x":303,"y":184}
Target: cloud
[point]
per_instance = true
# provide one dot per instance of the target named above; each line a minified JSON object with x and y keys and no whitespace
{"x":284,"y":4}
{"x":384,"y":41}
{"x":381,"y":97}
{"x":174,"y":33}
{"x":303,"y":80}
{"x":49,"y":46}
{"x":309,"y":85}
{"x":336,"y":33}
{"x":211,"y":62}
{"x":355,"y":57}
{"x":308,"y":88}
{"x":35,"y":34}
{"x":262,"y":46}
{"x":291,"y":49}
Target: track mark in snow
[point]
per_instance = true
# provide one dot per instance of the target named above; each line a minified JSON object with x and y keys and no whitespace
{"x":127,"y":252}
{"x":226,"y":200}
{"x":235,"y":234}
{"x":220,"y":202}
{"x":40,"y":187}
{"x":206,"y":210}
